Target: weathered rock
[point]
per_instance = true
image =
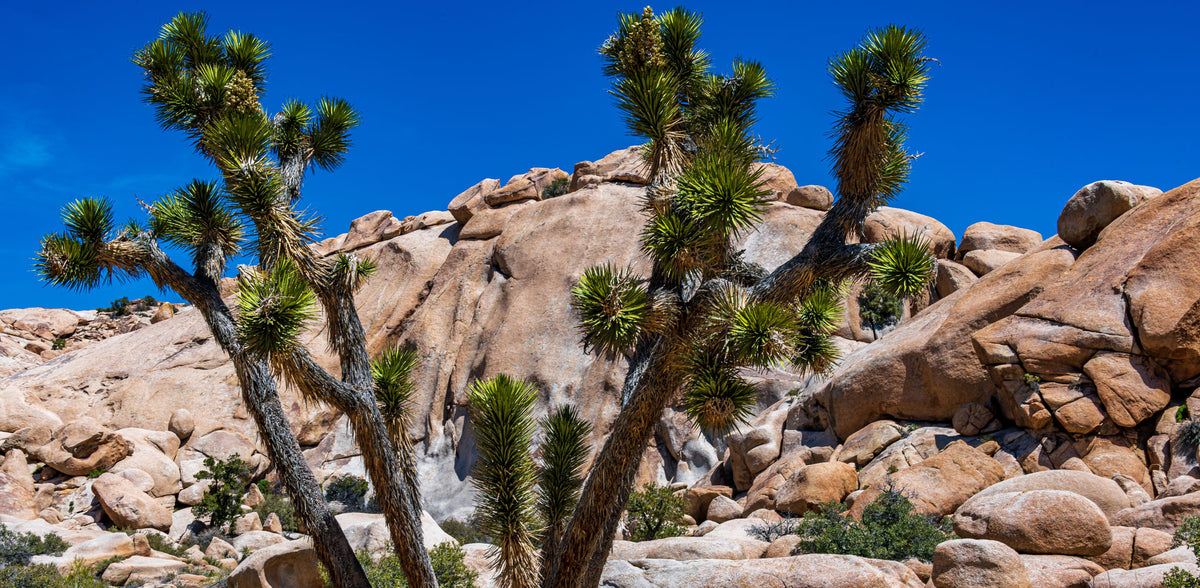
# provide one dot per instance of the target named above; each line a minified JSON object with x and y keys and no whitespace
{"x":470,"y":201}
{"x":927,"y":369}
{"x":106,"y":546}
{"x":804,"y":571}
{"x":698,"y":499}
{"x":624,"y":165}
{"x":687,"y":548}
{"x":1132,"y":387}
{"x":1096,"y":205}
{"x":984,"y":262}
{"x":985,"y":236}
{"x":83,"y":446}
{"x":861,"y":447}
{"x":813,"y":485}
{"x":164,"y":312}
{"x":273,"y":524}
{"x":255,"y":540}
{"x":1060,"y":571}
{"x":973,"y":563}
{"x":757,"y":445}
{"x":16,"y":487}
{"x":370,"y":229}
{"x":723,"y":509}
{"x":940,"y":484}
{"x":182,"y":424}
{"x":1104,"y":493}
{"x":974,"y":418}
{"x":141,"y":569}
{"x":813,"y":196}
{"x":777,"y":180}
{"x":887,"y":222}
{"x":129,"y":507}
{"x":1039,"y":521}
{"x":219,"y":548}
{"x":247,"y":523}
{"x":952,"y":277}
{"x":1147,"y":577}
{"x":293,"y":564}
{"x":1164,"y":514}
{"x":527,"y":186}
{"x":152,"y":453}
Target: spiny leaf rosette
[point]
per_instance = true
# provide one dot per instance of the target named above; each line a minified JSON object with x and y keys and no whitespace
{"x":705,"y":313}
{"x":209,"y":87}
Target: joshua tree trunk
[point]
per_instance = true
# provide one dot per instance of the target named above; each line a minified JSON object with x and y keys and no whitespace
{"x":590,"y":531}
{"x":262,"y":401}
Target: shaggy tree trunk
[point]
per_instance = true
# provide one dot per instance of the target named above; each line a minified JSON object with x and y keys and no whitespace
{"x":262,"y":401}
{"x":592,"y":525}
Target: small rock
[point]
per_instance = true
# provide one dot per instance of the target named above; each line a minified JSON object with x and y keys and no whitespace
{"x":182,"y":423}
{"x":723,"y":509}
{"x":974,"y":563}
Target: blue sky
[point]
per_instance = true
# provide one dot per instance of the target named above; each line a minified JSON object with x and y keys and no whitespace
{"x":1031,"y":101}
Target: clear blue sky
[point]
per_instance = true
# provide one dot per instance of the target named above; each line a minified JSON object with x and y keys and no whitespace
{"x":1031,"y":102}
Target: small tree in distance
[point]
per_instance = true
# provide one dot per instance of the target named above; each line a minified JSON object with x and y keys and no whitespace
{"x":878,"y":308}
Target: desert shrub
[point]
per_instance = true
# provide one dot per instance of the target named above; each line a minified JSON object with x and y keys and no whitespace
{"x":223,"y":501}
{"x":1187,"y":435}
{"x":59,"y":344}
{"x":205,"y":536}
{"x":556,"y":188}
{"x":47,"y":576}
{"x":878,"y":308}
{"x":1188,"y":533}
{"x":281,"y":505}
{"x":654,"y":512}
{"x":464,"y":531}
{"x":448,"y":568}
{"x":161,"y":543}
{"x":96,"y":473}
{"x":769,"y":532}
{"x":119,"y":307}
{"x":349,"y":490}
{"x":16,"y":548}
{"x":889,"y":529}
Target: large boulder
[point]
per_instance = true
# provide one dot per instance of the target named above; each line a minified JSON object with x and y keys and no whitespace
{"x":803,"y":571}
{"x":940,"y":484}
{"x":1103,"y":492}
{"x":816,"y":484}
{"x":293,"y":564}
{"x":16,"y":487}
{"x":987,"y":261}
{"x":1125,"y":303}
{"x":1060,"y":571}
{"x":624,"y":165}
{"x":687,"y":548}
{"x":129,"y":507}
{"x":869,"y":441}
{"x":83,"y":446}
{"x":1038,"y":521}
{"x":153,"y":453}
{"x":978,"y":563}
{"x":1096,"y":205}
{"x":985,"y":236}
{"x":139,"y":570}
{"x":1164,"y":514}
{"x":888,"y":222}
{"x":1147,"y":577}
{"x":927,"y":369}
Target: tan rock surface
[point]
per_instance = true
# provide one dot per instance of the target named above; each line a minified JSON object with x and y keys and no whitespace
{"x":940,"y":484}
{"x":987,"y":261}
{"x":129,"y":507}
{"x":983,"y":236}
{"x":814,"y":485}
{"x":624,"y":165}
{"x":287,"y":565}
{"x":803,"y":571}
{"x":1096,"y":205}
{"x":1103,"y":492}
{"x":1039,"y":521}
{"x":973,"y":563}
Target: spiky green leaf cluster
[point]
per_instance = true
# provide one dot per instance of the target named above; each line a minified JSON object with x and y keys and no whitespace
{"x":505,"y":476}
{"x":902,"y":265}
{"x":392,"y":372}
{"x":613,"y":307}
{"x":83,"y":256}
{"x":273,"y":309}
{"x":885,"y":75}
{"x":195,"y":218}
{"x":564,"y":452}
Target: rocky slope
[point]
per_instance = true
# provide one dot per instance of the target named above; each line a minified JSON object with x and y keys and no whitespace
{"x":1037,"y":376}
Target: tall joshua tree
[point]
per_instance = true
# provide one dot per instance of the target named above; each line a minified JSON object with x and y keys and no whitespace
{"x":704,"y":311}
{"x":208,"y":87}
{"x":521,"y":505}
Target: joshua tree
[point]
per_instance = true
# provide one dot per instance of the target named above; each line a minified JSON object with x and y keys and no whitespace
{"x":704,"y":312}
{"x":208,"y":87}
{"x":519,"y":504}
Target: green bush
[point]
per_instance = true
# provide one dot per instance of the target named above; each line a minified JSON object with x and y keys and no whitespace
{"x":276,"y":502}
{"x":464,"y":532}
{"x":17,"y":548}
{"x":1188,"y":533}
{"x":448,"y":568}
{"x":654,"y":512}
{"x":878,"y":308}
{"x":556,"y":188}
{"x":59,"y":344}
{"x":223,"y":501}
{"x":47,"y":576}
{"x":348,"y":490}
{"x":889,"y":529}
